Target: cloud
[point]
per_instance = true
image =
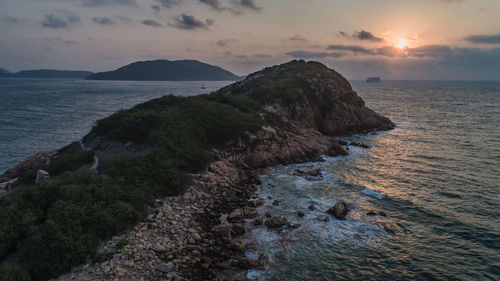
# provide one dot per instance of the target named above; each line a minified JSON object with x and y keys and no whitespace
{"x":152,"y":23}
{"x":63,"y":19}
{"x":104,"y":21}
{"x":430,"y":51}
{"x":155,"y":8}
{"x":262,"y":56}
{"x":124,"y":19}
{"x":188,"y":22}
{"x":427,"y":51}
{"x":352,"y":48}
{"x":226,"y":42}
{"x":449,"y":1}
{"x":249,"y":4}
{"x":297,"y":38}
{"x":61,"y":40}
{"x":302,"y":54}
{"x":485,"y":39}
{"x":214,"y":4}
{"x":9,"y":20}
{"x":168,"y":4}
{"x":97,"y":3}
{"x":365,"y":35}
{"x":361,"y":35}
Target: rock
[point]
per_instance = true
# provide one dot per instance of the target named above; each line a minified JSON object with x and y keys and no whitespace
{"x":359,"y":144}
{"x":383,"y":214}
{"x":300,"y":214}
{"x":371,"y":213}
{"x":8,"y":184}
{"x":222,"y":230}
{"x":238,"y":229}
{"x":322,"y":218}
{"x":337,"y":149}
{"x":276,"y":202}
{"x":309,"y":173}
{"x":268,"y":215}
{"x":165,"y":267}
{"x":342,"y":142}
{"x":42,"y":176}
{"x":158,"y":248}
{"x":257,"y":221}
{"x":276,"y":222}
{"x":256,"y":203}
{"x":294,"y":225}
{"x":339,"y":210}
{"x":312,"y":207}
{"x":236,"y":215}
{"x":387,"y":227}
{"x":30,"y":163}
{"x":250,"y":212}
{"x":263,"y":260}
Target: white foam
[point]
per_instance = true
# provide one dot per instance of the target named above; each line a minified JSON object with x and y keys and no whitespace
{"x":373,"y":193}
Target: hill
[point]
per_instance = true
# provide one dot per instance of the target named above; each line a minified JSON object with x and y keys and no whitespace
{"x":164,"y":70}
{"x":178,"y":162}
{"x":49,"y":73}
{"x":4,"y":71}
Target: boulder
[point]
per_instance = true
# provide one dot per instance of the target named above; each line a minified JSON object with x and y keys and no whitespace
{"x":236,"y":215}
{"x":238,"y":229}
{"x":309,"y":173}
{"x":257,"y":221}
{"x":276,"y":202}
{"x":339,"y":210}
{"x":276,"y":222}
{"x":300,"y":214}
{"x":322,"y":218}
{"x":312,"y":207}
{"x":371,"y":213}
{"x":42,"y":176}
{"x":250,"y":212}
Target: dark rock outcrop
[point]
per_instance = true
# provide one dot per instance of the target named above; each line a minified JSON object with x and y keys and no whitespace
{"x":276,"y":222}
{"x":339,"y":210}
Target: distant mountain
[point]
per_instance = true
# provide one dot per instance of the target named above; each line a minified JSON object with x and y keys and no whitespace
{"x":165,"y":70}
{"x":49,"y":73}
{"x":4,"y":71}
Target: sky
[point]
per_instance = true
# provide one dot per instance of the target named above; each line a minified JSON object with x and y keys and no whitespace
{"x":393,"y":39}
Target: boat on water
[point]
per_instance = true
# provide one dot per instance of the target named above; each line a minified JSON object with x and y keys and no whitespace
{"x":203,"y":87}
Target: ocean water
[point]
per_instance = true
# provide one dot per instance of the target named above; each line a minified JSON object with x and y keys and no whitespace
{"x":436,"y":176}
{"x":42,"y":114}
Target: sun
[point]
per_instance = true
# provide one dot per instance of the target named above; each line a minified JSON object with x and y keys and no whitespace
{"x":401,"y":43}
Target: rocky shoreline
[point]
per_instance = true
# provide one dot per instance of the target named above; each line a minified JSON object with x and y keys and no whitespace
{"x":195,"y":236}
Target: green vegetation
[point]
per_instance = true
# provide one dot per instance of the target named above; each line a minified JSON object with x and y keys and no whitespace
{"x":287,"y":83}
{"x":51,"y":227}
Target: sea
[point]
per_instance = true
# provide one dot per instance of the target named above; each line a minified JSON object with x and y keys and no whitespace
{"x":433,"y":182}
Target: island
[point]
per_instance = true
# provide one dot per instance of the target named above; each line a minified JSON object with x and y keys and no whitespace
{"x":48,"y":73}
{"x":373,"y":79}
{"x":165,"y":70}
{"x":165,"y":189}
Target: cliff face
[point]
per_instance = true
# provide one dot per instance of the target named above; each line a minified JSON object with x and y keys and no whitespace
{"x":311,"y":95}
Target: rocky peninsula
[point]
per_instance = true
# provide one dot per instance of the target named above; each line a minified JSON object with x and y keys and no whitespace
{"x":176,"y":181}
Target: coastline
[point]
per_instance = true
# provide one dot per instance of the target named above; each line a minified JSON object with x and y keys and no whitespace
{"x":196,"y":235}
